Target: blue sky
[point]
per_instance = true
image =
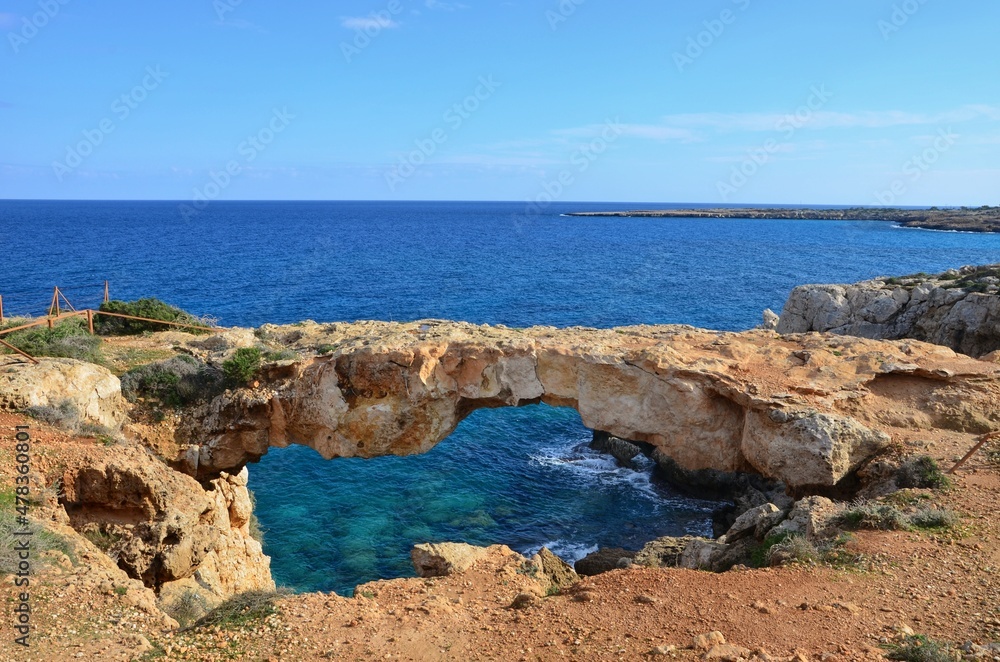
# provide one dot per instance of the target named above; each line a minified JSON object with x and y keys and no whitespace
{"x":735,"y":101}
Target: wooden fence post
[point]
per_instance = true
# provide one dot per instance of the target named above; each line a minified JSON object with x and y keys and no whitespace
{"x":90,"y":320}
{"x":106,"y":297}
{"x":1,"y":309}
{"x":54,"y":306}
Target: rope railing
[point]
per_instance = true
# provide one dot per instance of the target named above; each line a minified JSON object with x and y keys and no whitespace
{"x":56,"y":314}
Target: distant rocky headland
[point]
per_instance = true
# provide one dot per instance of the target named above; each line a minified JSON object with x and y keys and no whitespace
{"x":962,"y":219}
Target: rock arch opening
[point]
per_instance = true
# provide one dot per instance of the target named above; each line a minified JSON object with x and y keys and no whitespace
{"x":524,"y":477}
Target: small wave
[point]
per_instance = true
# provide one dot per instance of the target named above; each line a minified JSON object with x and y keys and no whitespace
{"x":567,"y":550}
{"x":601,"y":469}
{"x":906,"y":227}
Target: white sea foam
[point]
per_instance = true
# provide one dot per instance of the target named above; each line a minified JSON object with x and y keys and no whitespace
{"x":568,"y":550}
{"x":600,"y":469}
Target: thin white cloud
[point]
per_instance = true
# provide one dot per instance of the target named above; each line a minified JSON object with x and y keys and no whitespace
{"x":368,"y":22}
{"x":823,"y":119}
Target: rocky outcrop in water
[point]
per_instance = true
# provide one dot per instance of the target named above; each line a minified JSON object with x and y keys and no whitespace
{"x":959,"y":309}
{"x":804,"y":410}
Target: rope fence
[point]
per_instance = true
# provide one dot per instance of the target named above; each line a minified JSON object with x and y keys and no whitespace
{"x":56,"y":314}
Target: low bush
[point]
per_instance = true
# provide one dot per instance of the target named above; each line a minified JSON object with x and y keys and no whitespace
{"x":879,"y":516}
{"x":178,"y":381}
{"x":42,"y":539}
{"x":186,"y":609}
{"x":63,"y":415}
{"x":887,"y":517}
{"x":242,"y":609}
{"x":244,"y":364}
{"x":66,"y":416}
{"x":68,"y":339}
{"x":933,"y":518}
{"x":922,"y":472}
{"x":281,"y":355}
{"x":793,"y":549}
{"x":149,"y":308}
{"x":920,"y":648}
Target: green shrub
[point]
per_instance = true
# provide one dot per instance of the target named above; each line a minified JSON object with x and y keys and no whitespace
{"x":149,"y":308}
{"x":933,"y":518}
{"x":67,"y":339}
{"x":759,"y":554}
{"x":242,"y":609}
{"x":874,"y":516}
{"x":922,"y":472}
{"x":42,"y":539}
{"x":920,"y":648}
{"x":178,"y":381}
{"x":243,"y":366}
{"x":281,"y":355}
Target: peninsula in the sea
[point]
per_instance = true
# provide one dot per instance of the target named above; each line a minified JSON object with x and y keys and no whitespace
{"x":960,"y":219}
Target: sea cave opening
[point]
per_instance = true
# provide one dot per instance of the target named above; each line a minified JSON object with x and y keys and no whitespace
{"x":524,"y":477}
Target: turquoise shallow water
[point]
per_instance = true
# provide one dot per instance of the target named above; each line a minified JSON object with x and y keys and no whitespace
{"x":523,"y":477}
{"x":520,"y":477}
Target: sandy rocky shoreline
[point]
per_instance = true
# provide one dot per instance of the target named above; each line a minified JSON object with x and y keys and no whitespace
{"x":811,"y":434}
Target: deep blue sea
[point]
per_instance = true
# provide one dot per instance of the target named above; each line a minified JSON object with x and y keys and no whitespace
{"x":522,"y":477}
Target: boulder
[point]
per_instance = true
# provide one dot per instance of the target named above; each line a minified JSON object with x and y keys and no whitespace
{"x":446,"y":558}
{"x":754,"y":522}
{"x":604,"y":560}
{"x":811,"y":517}
{"x":702,"y":554}
{"x":807,"y":449}
{"x":557,"y":573}
{"x":621,"y":450}
{"x":663,"y":552}
{"x":90,"y":389}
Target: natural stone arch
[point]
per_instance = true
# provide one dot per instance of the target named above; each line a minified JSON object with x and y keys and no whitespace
{"x":707,"y":400}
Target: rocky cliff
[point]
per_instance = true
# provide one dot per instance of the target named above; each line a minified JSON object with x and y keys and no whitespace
{"x":162,"y":527}
{"x":805,"y":410}
{"x":959,"y":309}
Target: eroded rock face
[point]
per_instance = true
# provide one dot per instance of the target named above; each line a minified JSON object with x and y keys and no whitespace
{"x":163,"y":527}
{"x":805,"y":410}
{"x":959,"y":309}
{"x":94,"y":392}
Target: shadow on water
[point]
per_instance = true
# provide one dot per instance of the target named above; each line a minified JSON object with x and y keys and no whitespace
{"x":521,"y":477}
